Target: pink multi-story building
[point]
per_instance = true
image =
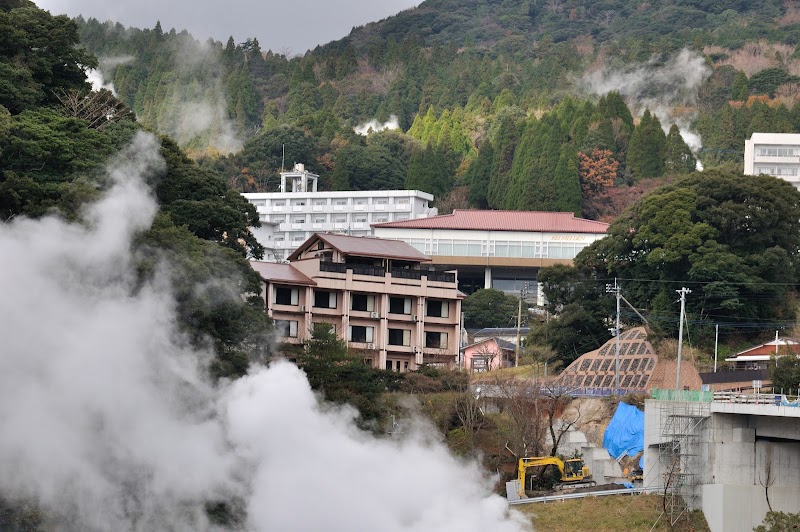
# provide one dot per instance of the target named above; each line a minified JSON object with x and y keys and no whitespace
{"x":376,"y":294}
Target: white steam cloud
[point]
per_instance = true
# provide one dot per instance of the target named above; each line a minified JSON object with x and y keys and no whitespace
{"x":668,"y":88}
{"x":108,"y":423}
{"x":95,"y":77}
{"x":375,"y":126}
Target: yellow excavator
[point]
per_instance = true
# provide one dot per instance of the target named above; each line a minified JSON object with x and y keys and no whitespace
{"x":574,"y":473}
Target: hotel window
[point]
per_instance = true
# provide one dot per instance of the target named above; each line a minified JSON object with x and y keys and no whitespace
{"x":402,"y":201}
{"x":278,"y":219}
{"x":298,"y":237}
{"x":340,"y":202}
{"x":278,"y":203}
{"x":381,"y":201}
{"x":320,"y":202}
{"x":359,"y":333}
{"x":324,"y":299}
{"x":298,"y":219}
{"x":286,"y":296}
{"x":399,"y":337}
{"x":777,"y":152}
{"x":361,"y":218}
{"x":436,"y":340}
{"x":286,"y":328}
{"x":362,"y":302}
{"x":340,"y":219}
{"x":258,"y":202}
{"x":400,"y":305}
{"x":320,"y":219}
{"x":438,"y":309}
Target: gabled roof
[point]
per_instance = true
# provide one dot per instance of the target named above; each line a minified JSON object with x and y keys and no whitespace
{"x":550,"y":222}
{"x":768,"y":349}
{"x":362,"y":246}
{"x":274,"y":272}
{"x":502,"y":344}
{"x":501,"y":331}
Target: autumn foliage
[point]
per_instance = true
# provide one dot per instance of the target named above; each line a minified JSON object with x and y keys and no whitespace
{"x":597,"y":171}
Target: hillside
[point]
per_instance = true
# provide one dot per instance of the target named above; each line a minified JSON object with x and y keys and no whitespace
{"x":489,"y":95}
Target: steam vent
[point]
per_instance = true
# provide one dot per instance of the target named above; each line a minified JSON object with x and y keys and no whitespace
{"x":640,"y":369}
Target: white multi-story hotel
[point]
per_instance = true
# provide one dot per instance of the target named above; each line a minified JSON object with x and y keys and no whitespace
{"x":775,"y":154}
{"x":291,"y":216}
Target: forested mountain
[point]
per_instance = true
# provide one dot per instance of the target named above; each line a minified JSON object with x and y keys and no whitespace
{"x":506,"y":104}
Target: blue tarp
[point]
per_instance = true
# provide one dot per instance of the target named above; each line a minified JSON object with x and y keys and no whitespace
{"x":625,"y":432}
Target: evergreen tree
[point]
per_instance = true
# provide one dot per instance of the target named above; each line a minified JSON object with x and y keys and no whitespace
{"x":740,"y":90}
{"x":646,"y":149}
{"x":678,"y":158}
{"x":566,"y":182}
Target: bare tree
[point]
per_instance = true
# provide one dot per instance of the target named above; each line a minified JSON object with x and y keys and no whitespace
{"x":521,"y":401}
{"x":557,"y":400}
{"x":98,"y":108}
{"x":769,"y":480}
{"x":470,"y":414}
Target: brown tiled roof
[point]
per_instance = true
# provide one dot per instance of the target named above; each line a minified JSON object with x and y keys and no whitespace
{"x":555,"y":222}
{"x":275,"y":272}
{"x":362,"y":246}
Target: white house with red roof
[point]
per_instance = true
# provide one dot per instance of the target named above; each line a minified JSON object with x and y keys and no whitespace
{"x":496,"y":249}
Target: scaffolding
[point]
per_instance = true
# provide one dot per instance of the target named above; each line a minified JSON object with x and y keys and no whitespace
{"x":682,"y":424}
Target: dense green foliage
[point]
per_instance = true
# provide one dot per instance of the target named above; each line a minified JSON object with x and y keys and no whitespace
{"x":490,"y":308}
{"x":785,"y":374}
{"x":580,"y":312}
{"x":779,"y":522}
{"x":344,"y":378}
{"x":54,"y":163}
{"x":733,"y":239}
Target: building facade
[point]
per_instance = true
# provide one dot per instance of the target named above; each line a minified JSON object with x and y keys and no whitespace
{"x":375,"y":294}
{"x":489,"y":354}
{"x":775,"y":154}
{"x":497,"y":249}
{"x":290,"y":217}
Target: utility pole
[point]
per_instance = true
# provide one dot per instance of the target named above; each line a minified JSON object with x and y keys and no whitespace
{"x":716,"y":345}
{"x":683,"y":292}
{"x":616,"y":290}
{"x":522,"y":294}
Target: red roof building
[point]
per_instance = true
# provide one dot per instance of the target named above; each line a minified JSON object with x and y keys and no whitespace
{"x":497,"y":249}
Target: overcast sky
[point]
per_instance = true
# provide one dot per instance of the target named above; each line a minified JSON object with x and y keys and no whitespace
{"x":289,"y":26}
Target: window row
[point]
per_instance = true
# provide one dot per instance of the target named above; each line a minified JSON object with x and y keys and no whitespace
{"x":777,"y":152}
{"x":777,"y":170}
{"x":329,"y":201}
{"x":366,"y":335}
{"x":477,"y":248}
{"x":330,"y":218}
{"x":434,"y":308}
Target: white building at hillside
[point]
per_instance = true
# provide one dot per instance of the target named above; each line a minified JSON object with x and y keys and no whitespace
{"x":775,"y":154}
{"x":289,"y":218}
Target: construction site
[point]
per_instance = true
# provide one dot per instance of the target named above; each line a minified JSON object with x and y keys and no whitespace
{"x":732,"y":456}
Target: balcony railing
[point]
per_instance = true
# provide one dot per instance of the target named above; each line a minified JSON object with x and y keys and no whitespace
{"x":334,"y":267}
{"x":442,"y":277}
{"x":377,"y":271}
{"x":406,"y":274}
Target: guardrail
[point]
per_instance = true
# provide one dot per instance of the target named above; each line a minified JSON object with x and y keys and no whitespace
{"x":775,"y":399}
{"x":567,"y":496}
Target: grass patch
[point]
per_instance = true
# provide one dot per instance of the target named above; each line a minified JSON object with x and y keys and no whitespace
{"x":611,"y":514}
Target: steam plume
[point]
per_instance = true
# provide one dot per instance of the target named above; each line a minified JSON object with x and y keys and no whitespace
{"x":374,"y":125}
{"x":667,"y":88}
{"x":108,"y":423}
